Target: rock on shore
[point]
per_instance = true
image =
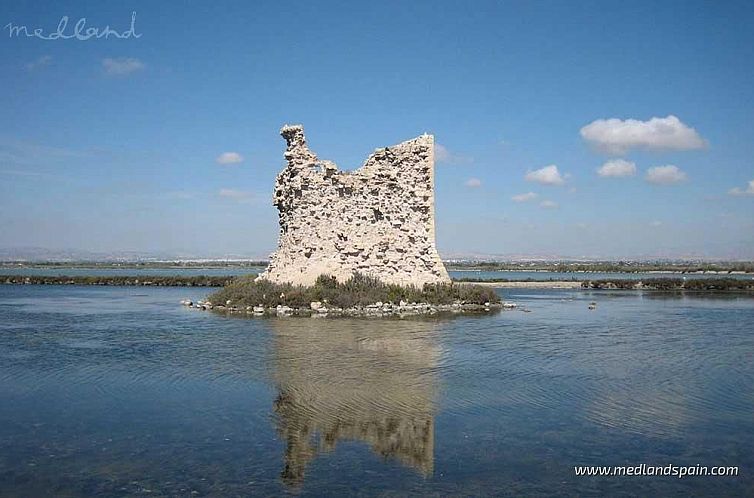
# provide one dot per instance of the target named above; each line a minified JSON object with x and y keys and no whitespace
{"x":372,"y":310}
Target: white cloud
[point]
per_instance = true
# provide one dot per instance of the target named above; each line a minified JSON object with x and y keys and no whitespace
{"x":473,"y":182}
{"x":747,"y":191}
{"x":121,"y":66}
{"x":617,"y":168}
{"x":236,"y":195}
{"x":529,"y":196}
{"x":665,"y":175}
{"x":443,"y":155}
{"x":656,"y":224}
{"x":616,"y":136}
{"x":229,"y":158}
{"x":549,"y":175}
{"x":547,"y":204}
{"x":39,"y":62}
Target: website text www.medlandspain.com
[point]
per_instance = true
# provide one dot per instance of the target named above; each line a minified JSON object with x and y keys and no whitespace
{"x":679,"y":471}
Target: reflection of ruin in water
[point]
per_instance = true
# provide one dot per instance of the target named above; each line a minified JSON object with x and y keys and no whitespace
{"x":350,"y":379}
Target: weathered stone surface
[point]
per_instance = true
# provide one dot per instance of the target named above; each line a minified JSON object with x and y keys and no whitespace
{"x":377,"y":220}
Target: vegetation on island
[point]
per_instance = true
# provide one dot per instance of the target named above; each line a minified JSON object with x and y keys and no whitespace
{"x":359,"y":290}
{"x":674,"y":284}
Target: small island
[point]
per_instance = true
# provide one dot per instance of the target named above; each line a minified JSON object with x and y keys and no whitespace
{"x":356,"y":242}
{"x":360,"y":295}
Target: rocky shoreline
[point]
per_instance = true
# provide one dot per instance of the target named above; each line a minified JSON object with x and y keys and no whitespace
{"x":379,"y":309}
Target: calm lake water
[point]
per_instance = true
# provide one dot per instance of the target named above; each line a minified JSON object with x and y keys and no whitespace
{"x":121,"y":391}
{"x":477,"y":274}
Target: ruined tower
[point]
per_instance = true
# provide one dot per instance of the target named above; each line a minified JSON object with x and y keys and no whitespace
{"x":377,"y":220}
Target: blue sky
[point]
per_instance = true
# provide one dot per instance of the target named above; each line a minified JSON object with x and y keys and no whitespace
{"x":114,"y":144}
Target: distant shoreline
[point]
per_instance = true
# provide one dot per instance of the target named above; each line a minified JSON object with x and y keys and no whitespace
{"x":567,"y":267}
{"x":119,"y":281}
{"x":692,"y":285}
{"x":220,"y":281}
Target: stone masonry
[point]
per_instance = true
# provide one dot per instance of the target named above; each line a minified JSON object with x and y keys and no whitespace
{"x":377,"y":220}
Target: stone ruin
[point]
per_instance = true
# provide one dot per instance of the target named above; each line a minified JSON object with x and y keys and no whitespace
{"x":377,"y":220}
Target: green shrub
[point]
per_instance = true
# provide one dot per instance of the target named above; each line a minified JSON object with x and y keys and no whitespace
{"x":359,"y":290}
{"x":663,"y":283}
{"x":715,"y":284}
{"x":610,"y":284}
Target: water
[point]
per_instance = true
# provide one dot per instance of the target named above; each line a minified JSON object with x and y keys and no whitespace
{"x":235,"y":271}
{"x":121,"y":391}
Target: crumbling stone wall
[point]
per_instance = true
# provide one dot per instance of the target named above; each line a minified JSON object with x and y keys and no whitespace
{"x":377,"y":220}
